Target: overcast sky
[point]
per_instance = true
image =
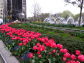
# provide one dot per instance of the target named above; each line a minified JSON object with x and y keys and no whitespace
{"x":51,"y":6}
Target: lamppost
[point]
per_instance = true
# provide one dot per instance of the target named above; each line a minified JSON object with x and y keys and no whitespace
{"x":4,"y":11}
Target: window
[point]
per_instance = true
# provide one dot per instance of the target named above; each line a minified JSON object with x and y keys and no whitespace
{"x":1,"y":13}
{"x":1,"y":10}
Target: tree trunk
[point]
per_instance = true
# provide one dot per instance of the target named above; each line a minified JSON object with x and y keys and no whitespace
{"x":81,"y":7}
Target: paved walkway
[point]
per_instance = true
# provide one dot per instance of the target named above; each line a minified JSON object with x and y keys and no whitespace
{"x":6,"y":55}
{"x":1,"y":60}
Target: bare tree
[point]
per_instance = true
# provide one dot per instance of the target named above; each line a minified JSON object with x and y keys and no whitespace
{"x":80,"y":4}
{"x":36,"y":11}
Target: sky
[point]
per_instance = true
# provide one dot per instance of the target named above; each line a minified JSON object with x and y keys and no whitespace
{"x":50,"y":6}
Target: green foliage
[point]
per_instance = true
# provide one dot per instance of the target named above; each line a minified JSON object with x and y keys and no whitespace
{"x":78,"y":34}
{"x":76,"y":16}
{"x":66,"y":14}
{"x":73,"y":43}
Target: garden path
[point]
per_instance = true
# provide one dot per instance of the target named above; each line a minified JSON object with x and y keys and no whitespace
{"x":60,"y":28}
{"x":6,"y":55}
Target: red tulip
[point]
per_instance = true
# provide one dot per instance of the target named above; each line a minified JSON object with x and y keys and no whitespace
{"x":35,"y":47}
{"x":30,"y":55}
{"x":63,"y":50}
{"x":20,"y":44}
{"x":72,"y":61}
{"x":38,"y":52}
{"x":53,"y":51}
{"x":81,"y":58}
{"x":38,"y":44}
{"x":73,"y":57}
{"x":67,"y":55}
{"x":77,"y":52}
{"x":59,"y":46}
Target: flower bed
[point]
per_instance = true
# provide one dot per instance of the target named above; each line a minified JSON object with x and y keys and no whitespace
{"x":29,"y":46}
{"x":69,"y":41}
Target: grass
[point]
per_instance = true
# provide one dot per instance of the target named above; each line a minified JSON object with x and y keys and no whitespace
{"x":60,"y":25}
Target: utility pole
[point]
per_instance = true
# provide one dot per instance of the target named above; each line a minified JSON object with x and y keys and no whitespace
{"x":11,"y":8}
{"x":4,"y":11}
{"x":81,"y":7}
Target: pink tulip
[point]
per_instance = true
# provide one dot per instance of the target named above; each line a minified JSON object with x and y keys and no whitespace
{"x":30,"y":55}
{"x":53,"y":51}
{"x":72,"y":61}
{"x":40,"y":56}
{"x":38,"y":52}
{"x":67,"y":55}
{"x":63,"y":50}
{"x":64,"y":58}
{"x":20,"y":44}
{"x":77,"y":52}
{"x":81,"y":58}
{"x":59,"y":46}
{"x":73,"y":57}
{"x":35,"y":47}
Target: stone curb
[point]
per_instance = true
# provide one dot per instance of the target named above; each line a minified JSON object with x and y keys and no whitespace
{"x":6,"y":54}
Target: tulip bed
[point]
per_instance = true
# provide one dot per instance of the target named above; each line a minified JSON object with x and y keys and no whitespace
{"x":69,"y":40}
{"x":32,"y":47}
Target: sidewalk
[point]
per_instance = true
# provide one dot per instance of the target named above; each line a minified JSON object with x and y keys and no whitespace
{"x":6,"y":55}
{"x":1,"y":60}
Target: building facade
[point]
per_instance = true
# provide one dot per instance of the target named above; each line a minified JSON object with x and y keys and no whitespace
{"x":1,"y":8}
{"x":16,"y":9}
{"x":24,"y":7}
